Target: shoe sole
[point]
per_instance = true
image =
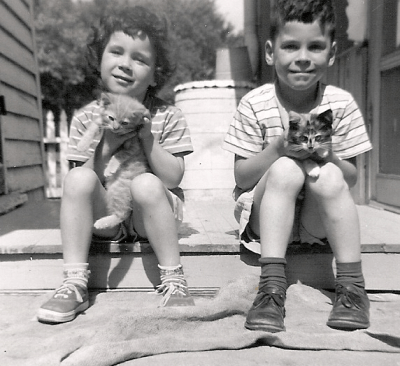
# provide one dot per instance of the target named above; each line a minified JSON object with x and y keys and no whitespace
{"x":49,"y":316}
{"x":264,"y":328}
{"x":346,"y":325}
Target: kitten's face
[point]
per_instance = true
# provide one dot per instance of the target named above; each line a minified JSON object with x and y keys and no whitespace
{"x":121,"y":113}
{"x":310,"y":132}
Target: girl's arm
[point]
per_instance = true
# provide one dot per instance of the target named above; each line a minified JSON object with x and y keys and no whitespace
{"x":348,"y":168}
{"x":169,"y":168}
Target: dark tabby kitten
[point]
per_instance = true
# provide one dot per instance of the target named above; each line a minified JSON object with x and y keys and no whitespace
{"x":311,"y":133}
{"x":121,"y":114}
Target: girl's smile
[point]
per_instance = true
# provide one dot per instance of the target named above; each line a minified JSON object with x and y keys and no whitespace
{"x":127,"y":65}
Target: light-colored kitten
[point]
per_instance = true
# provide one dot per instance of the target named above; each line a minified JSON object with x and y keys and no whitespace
{"x":120,"y":114}
{"x":313,"y":134}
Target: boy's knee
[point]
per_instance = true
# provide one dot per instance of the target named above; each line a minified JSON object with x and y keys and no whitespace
{"x":147,"y":188}
{"x":330,"y":183}
{"x":285,"y":174}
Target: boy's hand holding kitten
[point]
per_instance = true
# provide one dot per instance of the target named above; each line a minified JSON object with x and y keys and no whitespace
{"x":309,"y":138}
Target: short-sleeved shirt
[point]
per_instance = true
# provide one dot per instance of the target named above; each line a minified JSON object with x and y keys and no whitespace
{"x":169,"y":128}
{"x":260,"y":118}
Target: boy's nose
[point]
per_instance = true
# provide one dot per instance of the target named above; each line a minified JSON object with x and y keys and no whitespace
{"x":302,"y":56}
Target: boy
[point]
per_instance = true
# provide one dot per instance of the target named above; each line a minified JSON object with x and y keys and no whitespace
{"x":130,"y":53}
{"x":271,"y":183}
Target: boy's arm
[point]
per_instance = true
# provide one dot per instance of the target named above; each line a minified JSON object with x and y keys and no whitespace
{"x":248,"y":171}
{"x":348,"y":168}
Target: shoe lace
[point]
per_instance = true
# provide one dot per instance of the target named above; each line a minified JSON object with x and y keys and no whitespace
{"x":347,"y":297}
{"x":172,"y":284}
{"x":67,"y":289}
{"x":265,"y":297}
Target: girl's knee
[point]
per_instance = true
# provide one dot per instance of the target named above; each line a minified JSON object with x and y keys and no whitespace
{"x":80,"y":181}
{"x":147,"y":188}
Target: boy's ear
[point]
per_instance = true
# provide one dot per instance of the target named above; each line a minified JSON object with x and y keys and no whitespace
{"x":269,"y":53}
{"x":332,"y":53}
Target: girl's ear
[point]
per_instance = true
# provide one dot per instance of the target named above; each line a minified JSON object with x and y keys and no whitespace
{"x":269,"y":53}
{"x":332,"y":54}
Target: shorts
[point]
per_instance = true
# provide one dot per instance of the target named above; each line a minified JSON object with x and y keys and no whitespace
{"x":127,"y":231}
{"x":251,"y":240}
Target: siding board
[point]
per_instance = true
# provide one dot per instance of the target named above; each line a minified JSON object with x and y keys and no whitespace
{"x":10,"y":74}
{"x":25,"y":179}
{"x":14,"y":159}
{"x":20,"y":103}
{"x":14,"y":27}
{"x":21,"y":131}
{"x":16,"y":52}
{"x":21,"y":128}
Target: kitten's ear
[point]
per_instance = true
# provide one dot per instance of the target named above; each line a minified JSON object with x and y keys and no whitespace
{"x":105,"y":99}
{"x":294,"y":120}
{"x":327,"y":116}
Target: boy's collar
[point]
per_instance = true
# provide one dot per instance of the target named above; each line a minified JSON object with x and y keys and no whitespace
{"x":284,"y":112}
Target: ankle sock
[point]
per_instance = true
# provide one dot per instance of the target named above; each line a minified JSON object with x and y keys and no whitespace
{"x":273,"y":273}
{"x":76,"y":273}
{"x":350,"y":274}
{"x":170,"y":268}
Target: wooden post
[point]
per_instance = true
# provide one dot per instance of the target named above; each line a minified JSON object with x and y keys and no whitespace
{"x":51,"y":157}
{"x":64,"y":166}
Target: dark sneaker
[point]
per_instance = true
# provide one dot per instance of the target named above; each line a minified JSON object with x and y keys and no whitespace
{"x":174,"y":288}
{"x":350,"y":309}
{"x":268,"y":311}
{"x":67,"y":302}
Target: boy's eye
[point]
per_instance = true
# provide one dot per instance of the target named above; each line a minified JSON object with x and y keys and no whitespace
{"x":289,"y":47}
{"x":317,"y":47}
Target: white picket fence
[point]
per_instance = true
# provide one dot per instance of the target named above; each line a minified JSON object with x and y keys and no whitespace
{"x":56,"y":162}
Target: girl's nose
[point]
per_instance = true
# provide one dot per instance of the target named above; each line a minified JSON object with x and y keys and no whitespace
{"x":124,"y":65}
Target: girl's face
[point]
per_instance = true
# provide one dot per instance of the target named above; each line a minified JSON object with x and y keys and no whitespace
{"x":127,"y":65}
{"x":301,"y":54}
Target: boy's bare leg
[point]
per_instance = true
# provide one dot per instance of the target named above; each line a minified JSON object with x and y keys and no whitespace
{"x":339,"y":221}
{"x":272,"y":218}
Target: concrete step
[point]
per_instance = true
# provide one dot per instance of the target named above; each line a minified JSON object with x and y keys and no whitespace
{"x":31,"y":252}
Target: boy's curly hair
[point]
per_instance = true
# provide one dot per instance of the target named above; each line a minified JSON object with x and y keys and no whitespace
{"x":132,"y":21}
{"x":305,"y":11}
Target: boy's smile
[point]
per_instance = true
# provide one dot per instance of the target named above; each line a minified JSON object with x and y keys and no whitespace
{"x":301,"y":53}
{"x":127,"y":64}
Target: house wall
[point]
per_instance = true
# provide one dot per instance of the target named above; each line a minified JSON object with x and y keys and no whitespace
{"x":21,"y":150}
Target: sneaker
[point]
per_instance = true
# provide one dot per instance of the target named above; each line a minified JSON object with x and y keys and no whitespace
{"x":350,"y":308}
{"x":174,"y":288}
{"x":67,"y":302}
{"x":268,"y":311}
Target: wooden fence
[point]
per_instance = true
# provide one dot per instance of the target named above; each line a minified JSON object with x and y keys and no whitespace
{"x":56,"y":142}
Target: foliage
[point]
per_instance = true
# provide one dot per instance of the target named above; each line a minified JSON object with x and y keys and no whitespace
{"x":196,"y":31}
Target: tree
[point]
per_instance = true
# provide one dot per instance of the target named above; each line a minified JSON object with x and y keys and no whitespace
{"x":62,"y":26}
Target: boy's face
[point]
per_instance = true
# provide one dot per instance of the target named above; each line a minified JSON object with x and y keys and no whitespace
{"x":301,"y":54}
{"x":127,"y":65}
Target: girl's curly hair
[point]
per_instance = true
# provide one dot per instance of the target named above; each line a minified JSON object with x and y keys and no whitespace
{"x":132,"y":21}
{"x":305,"y":11}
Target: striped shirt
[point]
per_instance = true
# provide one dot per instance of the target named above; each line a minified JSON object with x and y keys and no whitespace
{"x":260,"y":118}
{"x":169,"y":128}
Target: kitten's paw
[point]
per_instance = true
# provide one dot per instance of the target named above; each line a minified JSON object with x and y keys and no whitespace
{"x":107,"y":222}
{"x":313,"y":173}
{"x":82,"y":146}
